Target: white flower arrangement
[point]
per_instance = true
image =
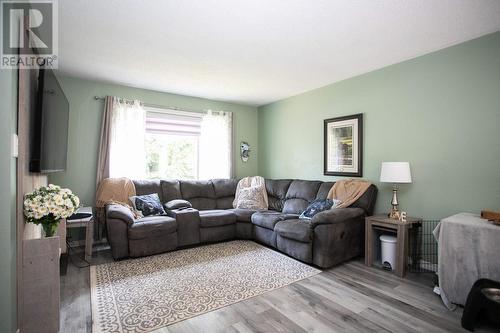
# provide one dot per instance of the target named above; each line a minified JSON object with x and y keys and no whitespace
{"x":47,"y":205}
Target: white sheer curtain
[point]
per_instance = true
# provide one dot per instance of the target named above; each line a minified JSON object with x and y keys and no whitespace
{"x":216,"y":145}
{"x":126,"y":145}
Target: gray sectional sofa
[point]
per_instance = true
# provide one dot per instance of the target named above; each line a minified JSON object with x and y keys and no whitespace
{"x":329,"y":238}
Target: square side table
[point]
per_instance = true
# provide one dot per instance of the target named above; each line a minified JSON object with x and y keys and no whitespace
{"x":88,"y":224}
{"x":382,"y":223}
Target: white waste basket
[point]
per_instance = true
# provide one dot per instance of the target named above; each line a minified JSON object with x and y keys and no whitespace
{"x":388,"y":250}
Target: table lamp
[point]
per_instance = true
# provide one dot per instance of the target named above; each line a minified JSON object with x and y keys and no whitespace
{"x":395,"y":173}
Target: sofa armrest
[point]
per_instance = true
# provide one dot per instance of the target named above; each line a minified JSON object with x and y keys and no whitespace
{"x":188,"y":225}
{"x":337,"y":215}
{"x":175,"y":213}
{"x":119,"y":212}
{"x":177,"y":204}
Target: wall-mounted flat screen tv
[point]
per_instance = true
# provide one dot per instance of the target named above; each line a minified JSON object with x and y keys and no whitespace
{"x":49,"y":125}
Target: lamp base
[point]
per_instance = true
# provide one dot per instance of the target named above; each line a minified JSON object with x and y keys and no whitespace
{"x":394,"y":213}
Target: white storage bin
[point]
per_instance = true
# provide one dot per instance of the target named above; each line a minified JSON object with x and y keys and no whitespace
{"x":388,"y":250}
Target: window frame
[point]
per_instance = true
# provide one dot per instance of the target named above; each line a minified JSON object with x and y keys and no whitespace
{"x":177,"y":113}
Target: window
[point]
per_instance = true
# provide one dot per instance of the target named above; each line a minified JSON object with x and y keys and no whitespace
{"x":156,"y":143}
{"x":172,"y":144}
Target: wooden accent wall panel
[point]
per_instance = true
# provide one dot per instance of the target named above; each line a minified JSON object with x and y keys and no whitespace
{"x":26,"y":182}
{"x":40,"y":271}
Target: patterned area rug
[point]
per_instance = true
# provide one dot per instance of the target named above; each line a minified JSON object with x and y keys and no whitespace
{"x":145,"y":294}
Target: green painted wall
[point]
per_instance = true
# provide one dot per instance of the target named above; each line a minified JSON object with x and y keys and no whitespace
{"x":8,"y":285}
{"x":440,"y":111}
{"x":85,"y":126}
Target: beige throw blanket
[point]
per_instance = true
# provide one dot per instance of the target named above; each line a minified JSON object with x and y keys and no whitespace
{"x":348,"y":191}
{"x":256,"y":181}
{"x":116,"y":191}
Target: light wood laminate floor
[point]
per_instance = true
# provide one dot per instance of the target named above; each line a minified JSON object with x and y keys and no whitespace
{"x":348,"y":298}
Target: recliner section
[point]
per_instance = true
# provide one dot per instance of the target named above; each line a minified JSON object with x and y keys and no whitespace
{"x":328,"y":239}
{"x":152,"y":235}
{"x":268,"y":219}
{"x":264,"y":223}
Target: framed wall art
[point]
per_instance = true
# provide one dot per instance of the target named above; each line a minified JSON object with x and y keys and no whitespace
{"x":343,"y":146}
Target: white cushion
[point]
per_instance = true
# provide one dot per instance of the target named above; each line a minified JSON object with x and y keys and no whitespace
{"x":251,"y":198}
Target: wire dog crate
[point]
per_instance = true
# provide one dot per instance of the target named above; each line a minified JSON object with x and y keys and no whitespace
{"x":423,"y":248}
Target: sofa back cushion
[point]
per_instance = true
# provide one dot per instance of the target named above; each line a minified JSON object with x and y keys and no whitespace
{"x":143,"y":187}
{"x":300,"y":193}
{"x":170,"y":189}
{"x":200,"y":193}
{"x":367,"y":200}
{"x":324,"y":188}
{"x":225,"y":190}
{"x":289,"y":196}
{"x":276,"y":192}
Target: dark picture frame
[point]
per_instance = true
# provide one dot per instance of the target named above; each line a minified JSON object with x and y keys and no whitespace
{"x":343,"y":146}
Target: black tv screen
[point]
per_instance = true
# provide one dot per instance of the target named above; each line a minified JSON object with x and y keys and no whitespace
{"x":49,"y":139}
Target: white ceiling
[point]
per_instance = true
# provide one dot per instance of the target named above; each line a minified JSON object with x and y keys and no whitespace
{"x":256,"y":51}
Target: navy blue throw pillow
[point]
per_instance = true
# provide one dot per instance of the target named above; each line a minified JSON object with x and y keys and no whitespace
{"x":148,"y":204}
{"x":315,"y":207}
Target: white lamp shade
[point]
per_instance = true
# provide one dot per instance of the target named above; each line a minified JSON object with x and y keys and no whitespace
{"x":395,"y":172}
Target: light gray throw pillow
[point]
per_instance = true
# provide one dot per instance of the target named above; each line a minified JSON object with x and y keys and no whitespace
{"x":251,"y":198}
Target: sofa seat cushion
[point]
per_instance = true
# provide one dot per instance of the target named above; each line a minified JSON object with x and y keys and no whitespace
{"x":152,"y":226}
{"x":268,"y":218}
{"x":242,"y":214}
{"x":216,"y":218}
{"x":296,"y":229}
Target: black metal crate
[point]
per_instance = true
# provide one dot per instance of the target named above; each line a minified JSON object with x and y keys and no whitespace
{"x":423,"y":248}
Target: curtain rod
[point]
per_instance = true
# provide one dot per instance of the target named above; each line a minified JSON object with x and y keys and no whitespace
{"x":98,"y":98}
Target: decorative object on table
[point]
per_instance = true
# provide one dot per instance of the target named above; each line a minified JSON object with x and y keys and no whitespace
{"x":483,"y":299}
{"x":395,"y":173}
{"x":244,"y":151}
{"x":380,"y":224}
{"x":491,"y":216}
{"x":343,"y":146}
{"x":47,"y":205}
{"x":402,"y":218}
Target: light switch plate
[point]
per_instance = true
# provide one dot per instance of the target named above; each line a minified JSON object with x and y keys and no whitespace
{"x":15,"y":145}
